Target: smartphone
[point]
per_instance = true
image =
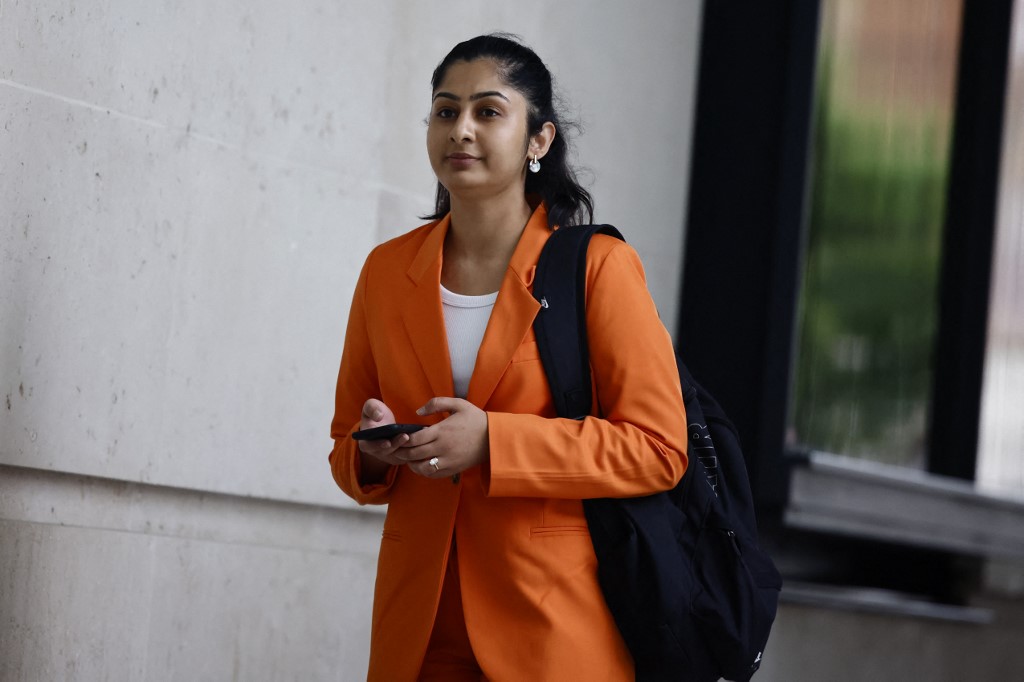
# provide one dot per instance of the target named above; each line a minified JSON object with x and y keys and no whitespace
{"x":386,"y":431}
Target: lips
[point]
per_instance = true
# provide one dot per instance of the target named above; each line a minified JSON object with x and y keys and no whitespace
{"x":462,"y":161}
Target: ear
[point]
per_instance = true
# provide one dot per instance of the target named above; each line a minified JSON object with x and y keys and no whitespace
{"x":541,"y":142}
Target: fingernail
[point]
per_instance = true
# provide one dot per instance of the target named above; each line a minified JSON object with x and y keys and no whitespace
{"x":420,"y":411}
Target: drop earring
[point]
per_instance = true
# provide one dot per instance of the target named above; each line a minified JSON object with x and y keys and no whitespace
{"x":535,"y":165}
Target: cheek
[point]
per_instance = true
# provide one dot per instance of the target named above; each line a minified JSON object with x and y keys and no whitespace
{"x":435,"y":146}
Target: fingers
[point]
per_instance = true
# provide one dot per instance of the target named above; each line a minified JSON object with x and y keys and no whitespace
{"x":386,"y":450}
{"x":459,"y":441}
{"x":439,"y":404}
{"x":383,"y":445}
{"x":374,"y":410}
{"x":432,"y":467}
{"x":449,"y":447}
{"x":376,"y":413}
{"x":401,"y":449}
{"x":399,"y":452}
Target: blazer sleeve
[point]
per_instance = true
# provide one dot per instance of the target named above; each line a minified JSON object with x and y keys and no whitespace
{"x":357,"y":382}
{"x":638,"y":444}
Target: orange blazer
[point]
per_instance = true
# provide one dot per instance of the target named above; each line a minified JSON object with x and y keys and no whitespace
{"x":532,"y":604}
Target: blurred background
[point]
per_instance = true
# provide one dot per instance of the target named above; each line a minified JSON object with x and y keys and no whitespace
{"x":828,"y":196}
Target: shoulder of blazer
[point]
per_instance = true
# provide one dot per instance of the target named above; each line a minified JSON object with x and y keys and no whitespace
{"x":602,"y":247}
{"x":412,"y":239}
{"x":395,"y":255}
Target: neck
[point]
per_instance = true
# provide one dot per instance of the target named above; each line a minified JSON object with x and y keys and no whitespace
{"x":480,"y":242}
{"x":487,"y":229}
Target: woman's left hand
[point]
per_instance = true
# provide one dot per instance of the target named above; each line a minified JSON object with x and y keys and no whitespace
{"x":459,"y":441}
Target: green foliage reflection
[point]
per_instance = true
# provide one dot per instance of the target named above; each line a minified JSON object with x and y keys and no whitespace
{"x":868,"y":306}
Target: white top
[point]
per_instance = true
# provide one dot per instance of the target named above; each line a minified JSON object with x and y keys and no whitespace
{"x":465,"y":320}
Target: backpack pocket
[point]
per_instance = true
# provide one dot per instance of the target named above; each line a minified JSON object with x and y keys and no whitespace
{"x":738,"y":599}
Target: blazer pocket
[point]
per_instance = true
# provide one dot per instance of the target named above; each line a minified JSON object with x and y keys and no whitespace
{"x":561,"y":517}
{"x":526,"y":352}
{"x":554,"y":531}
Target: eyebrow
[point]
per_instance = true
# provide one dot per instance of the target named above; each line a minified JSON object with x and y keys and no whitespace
{"x":472,"y":98}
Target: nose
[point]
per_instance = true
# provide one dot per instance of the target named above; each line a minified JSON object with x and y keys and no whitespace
{"x":462,"y":128}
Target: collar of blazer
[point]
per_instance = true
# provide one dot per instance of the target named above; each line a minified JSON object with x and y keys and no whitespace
{"x":510,"y":321}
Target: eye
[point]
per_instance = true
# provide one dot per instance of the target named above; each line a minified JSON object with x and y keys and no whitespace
{"x":490,"y":109}
{"x":444,"y":112}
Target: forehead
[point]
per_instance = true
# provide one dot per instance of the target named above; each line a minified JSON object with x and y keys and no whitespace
{"x":480,"y":75}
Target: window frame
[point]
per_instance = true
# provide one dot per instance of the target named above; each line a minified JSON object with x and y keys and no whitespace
{"x":742,"y":267}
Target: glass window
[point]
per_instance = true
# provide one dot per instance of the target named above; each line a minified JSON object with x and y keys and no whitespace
{"x":1001,"y":441}
{"x":868,"y":310}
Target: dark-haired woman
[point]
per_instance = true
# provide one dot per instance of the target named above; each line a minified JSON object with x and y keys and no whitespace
{"x":486,"y":570}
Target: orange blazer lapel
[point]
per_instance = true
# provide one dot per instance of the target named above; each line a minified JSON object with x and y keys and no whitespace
{"x":513,"y":313}
{"x":423,"y":316}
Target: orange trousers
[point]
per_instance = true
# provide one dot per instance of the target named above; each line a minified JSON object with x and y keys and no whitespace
{"x":449,"y":656}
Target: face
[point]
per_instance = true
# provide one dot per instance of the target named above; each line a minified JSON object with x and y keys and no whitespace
{"x":477,"y":137}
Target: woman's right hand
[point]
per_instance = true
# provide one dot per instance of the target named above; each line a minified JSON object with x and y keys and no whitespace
{"x":376,"y":413}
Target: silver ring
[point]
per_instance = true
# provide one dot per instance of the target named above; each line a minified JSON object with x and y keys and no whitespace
{"x":433,"y":462}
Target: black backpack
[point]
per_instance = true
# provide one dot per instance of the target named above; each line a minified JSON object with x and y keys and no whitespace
{"x":681,"y":571}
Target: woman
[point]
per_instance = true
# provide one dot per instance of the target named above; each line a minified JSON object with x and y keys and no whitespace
{"x":486,"y":570}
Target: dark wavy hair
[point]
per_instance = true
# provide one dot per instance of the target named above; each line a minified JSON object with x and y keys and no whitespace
{"x":520,"y":67}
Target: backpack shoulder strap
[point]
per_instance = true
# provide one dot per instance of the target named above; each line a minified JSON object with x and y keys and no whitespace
{"x":560,"y":285}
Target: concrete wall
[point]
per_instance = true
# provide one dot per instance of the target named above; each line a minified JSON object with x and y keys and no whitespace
{"x":110,"y":580}
{"x":818,"y":644}
{"x":187,"y":191}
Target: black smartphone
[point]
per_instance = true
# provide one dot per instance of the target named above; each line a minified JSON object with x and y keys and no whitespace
{"x":386,"y":431}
